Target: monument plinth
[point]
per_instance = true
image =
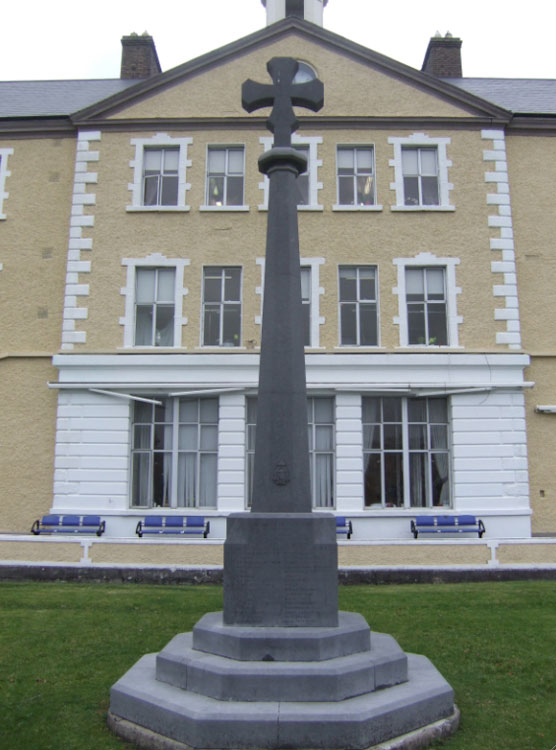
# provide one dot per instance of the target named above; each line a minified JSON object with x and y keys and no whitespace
{"x":280,"y":667}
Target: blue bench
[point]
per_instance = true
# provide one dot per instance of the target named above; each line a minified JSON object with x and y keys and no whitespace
{"x":343,"y":526}
{"x":191,"y":525}
{"x":69,"y":525}
{"x":447,"y":525}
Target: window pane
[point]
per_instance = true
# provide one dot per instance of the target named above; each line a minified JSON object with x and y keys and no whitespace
{"x":306,"y":283}
{"x":187,"y":480}
{"x":166,"y":284}
{"x":348,"y":284}
{"x":348,"y":325}
{"x":231,"y":325}
{"x":152,"y":160}
{"x":418,"y":481}
{"x":346,"y":191}
{"x":145,"y":285}
{"x":323,"y":478}
{"x":144,"y":326}
{"x":365,"y":191}
{"x":188,"y":437}
{"x":209,"y":410}
{"x":417,"y":436}
{"x":302,"y":190}
{"x":439,"y":436}
{"x":368,"y":326}
{"x":188,"y":411}
{"x":162,"y":463}
{"x":171,"y":159}
{"x":164,"y":325}
{"x":435,"y":283}
{"x":372,"y":437}
{"x":414,"y":283}
{"x":392,"y":436}
{"x":142,"y":436}
{"x":409,"y":161}
{"x":323,"y":438}
{"x":306,"y":311}
{"x":417,"y":410}
{"x":416,"y":333}
{"x":212,"y":286}
{"x":367,"y":284}
{"x":371,"y":409}
{"x":411,"y":191}
{"x":428,"y":161}
{"x":232,"y":284}
{"x":345,"y":158}
{"x":430,"y":191}
{"x":208,"y":481}
{"x":392,"y":409}
{"x":440,"y":479}
{"x":209,"y":438}
{"x":438,"y":410}
{"x":364,"y":160}
{"x":393,"y":479}
{"x":217,"y":160}
{"x":150,"y":193}
{"x":234,"y":195}
{"x":142,"y":412}
{"x":216,"y":191}
{"x":140,"y":484}
{"x":373,"y":479}
{"x":169,"y":195}
{"x":324,"y":410}
{"x":235,"y":161}
{"x":437,"y":325}
{"x":211,"y":329}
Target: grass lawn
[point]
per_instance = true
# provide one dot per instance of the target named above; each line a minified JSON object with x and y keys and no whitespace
{"x":63,"y":645}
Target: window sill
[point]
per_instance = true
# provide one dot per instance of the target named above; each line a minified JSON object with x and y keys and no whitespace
{"x":157,"y":209}
{"x":220,"y":348}
{"x":423,"y":208}
{"x":223,"y":208}
{"x":359,"y":347}
{"x":316,"y":207}
{"x":340,"y":207}
{"x":433,"y":347}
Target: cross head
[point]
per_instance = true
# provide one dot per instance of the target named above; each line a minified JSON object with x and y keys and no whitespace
{"x":282,"y":95}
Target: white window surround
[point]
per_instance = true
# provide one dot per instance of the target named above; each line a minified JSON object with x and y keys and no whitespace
{"x":160,"y":140}
{"x":453,"y":320}
{"x":4,"y":173}
{"x":350,"y":207}
{"x":444,"y":186}
{"x":156,"y":260}
{"x":241,"y":207}
{"x":316,"y":292}
{"x":312,"y":142}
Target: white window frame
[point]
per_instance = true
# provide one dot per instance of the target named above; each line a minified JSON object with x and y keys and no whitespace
{"x":312,"y":142}
{"x":223,"y":147}
{"x":159,"y":141}
{"x":4,"y":174}
{"x":406,"y":451}
{"x":128,"y":320}
{"x":354,"y":207}
{"x":358,"y":302}
{"x":173,"y":452}
{"x":316,"y":292}
{"x":417,"y":140}
{"x":453,"y":320}
{"x":222,"y":303}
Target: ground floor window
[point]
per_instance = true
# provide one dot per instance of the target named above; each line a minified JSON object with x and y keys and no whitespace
{"x":174,"y":453}
{"x":406,"y":452}
{"x":320,"y":419}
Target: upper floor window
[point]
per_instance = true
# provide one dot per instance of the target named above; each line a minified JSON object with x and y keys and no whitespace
{"x":225,"y":176}
{"x":425,"y":290}
{"x":427,"y":295}
{"x":307,"y":184}
{"x":159,"y":174}
{"x":174,"y":450}
{"x":358,"y":306}
{"x":154,"y":294}
{"x":4,"y":173}
{"x":355,"y":175}
{"x":221,"y":306}
{"x":406,"y":452}
{"x":421,"y":173}
{"x":306,"y":303}
{"x":154,"y":306}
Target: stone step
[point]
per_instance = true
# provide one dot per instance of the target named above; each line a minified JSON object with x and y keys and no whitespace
{"x":332,"y":680}
{"x":351,"y":635}
{"x":352,"y":724}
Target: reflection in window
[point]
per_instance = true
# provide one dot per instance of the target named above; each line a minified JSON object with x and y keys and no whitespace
{"x":420,"y":176}
{"x":221,"y":306}
{"x":406,"y":452}
{"x":154,"y":306}
{"x":358,"y":306}
{"x":174,"y":453}
{"x":225,"y":176}
{"x":426,"y":306}
{"x":160,"y":176}
{"x":355,"y":176}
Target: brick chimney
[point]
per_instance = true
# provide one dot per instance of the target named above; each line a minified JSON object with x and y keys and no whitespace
{"x":139,"y":58}
{"x":443,"y":57}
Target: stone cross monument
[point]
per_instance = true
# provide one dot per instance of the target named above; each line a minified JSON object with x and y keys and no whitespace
{"x":280,"y":560}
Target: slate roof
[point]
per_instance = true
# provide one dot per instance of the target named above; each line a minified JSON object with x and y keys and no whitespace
{"x":519,"y":95}
{"x":55,"y":98}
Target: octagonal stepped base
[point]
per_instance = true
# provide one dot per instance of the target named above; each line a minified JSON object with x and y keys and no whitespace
{"x":198,"y":721}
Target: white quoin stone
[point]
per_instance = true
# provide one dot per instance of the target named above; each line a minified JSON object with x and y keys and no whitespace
{"x":276,"y":10}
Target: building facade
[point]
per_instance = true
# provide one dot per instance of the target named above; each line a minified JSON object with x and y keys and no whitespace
{"x":132,"y":226}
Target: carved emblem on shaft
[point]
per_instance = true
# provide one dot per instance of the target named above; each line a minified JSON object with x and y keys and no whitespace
{"x":281,"y":474}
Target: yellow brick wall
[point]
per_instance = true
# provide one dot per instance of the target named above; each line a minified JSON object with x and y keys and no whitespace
{"x":57,"y":552}
{"x":158,"y":554}
{"x":440,"y":554}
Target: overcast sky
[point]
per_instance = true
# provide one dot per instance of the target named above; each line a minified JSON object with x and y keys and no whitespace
{"x":68,"y":39}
